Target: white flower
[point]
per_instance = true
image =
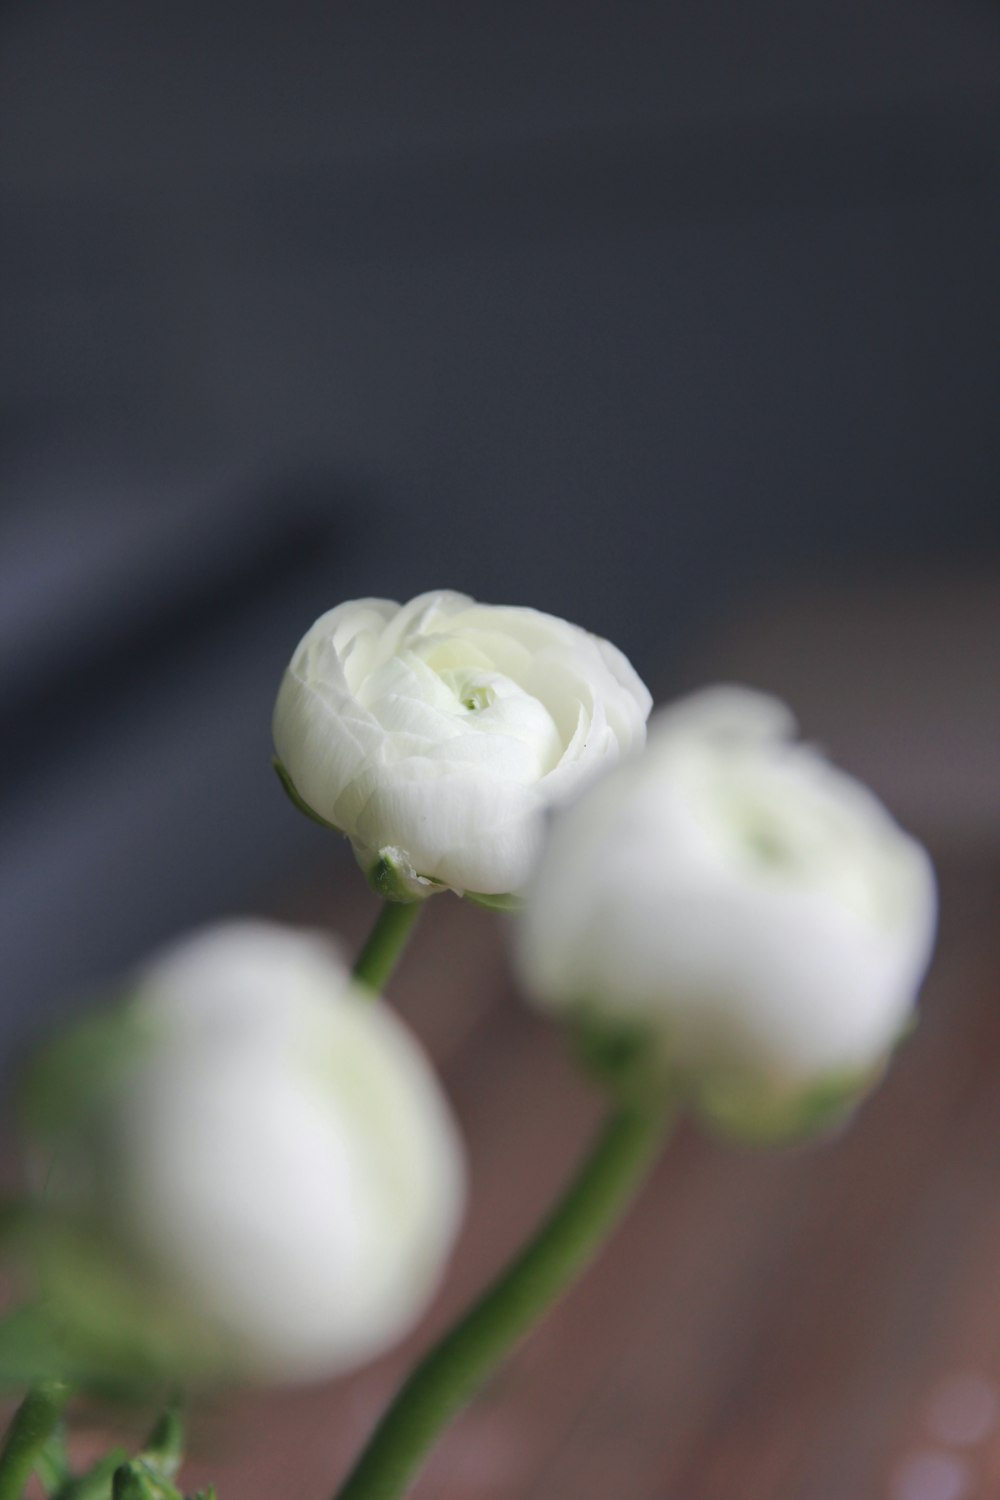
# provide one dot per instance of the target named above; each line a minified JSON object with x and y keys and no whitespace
{"x":737,"y":899}
{"x":270,"y":1160}
{"x":435,"y":734}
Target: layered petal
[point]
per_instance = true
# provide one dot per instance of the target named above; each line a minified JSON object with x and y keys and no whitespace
{"x":442,"y":729}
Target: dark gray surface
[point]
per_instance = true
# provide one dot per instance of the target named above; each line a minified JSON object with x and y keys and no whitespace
{"x":615,"y":308}
{"x":141,"y":656}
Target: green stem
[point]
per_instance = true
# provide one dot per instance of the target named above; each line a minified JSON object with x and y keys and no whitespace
{"x":33,"y":1424}
{"x":452,"y":1372}
{"x":386,"y":942}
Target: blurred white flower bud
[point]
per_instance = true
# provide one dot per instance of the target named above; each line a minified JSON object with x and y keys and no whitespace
{"x":266,"y":1160}
{"x":435,"y":734}
{"x":737,"y":900}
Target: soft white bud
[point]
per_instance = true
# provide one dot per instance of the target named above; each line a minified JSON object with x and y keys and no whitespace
{"x":737,"y":900}
{"x":271,"y":1160}
{"x":435,"y":734}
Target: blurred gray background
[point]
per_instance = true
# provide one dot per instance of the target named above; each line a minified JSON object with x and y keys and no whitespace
{"x":682,"y":321}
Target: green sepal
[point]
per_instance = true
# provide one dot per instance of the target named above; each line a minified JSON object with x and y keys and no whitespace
{"x":137,"y":1480}
{"x":129,"y":1483}
{"x":163,"y":1450}
{"x":296,"y":799}
{"x":758,"y":1114}
{"x":101,"y":1323}
{"x":620,"y":1055}
{"x":393,"y":881}
{"x":508,"y":902}
{"x":96,"y":1483}
{"x":35,"y":1345}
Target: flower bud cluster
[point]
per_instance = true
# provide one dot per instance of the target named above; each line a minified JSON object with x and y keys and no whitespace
{"x":262,"y":1155}
{"x":726,"y":909}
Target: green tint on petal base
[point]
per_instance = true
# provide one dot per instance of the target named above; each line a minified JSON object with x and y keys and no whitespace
{"x":390,"y":878}
{"x":631,"y":1062}
{"x":508,"y":902}
{"x":296,"y":800}
{"x":108,"y":1326}
{"x":394,"y":879}
{"x":749,"y":1112}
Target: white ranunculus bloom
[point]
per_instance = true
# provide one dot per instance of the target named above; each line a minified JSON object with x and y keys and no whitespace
{"x":751,"y":908}
{"x":270,"y":1161}
{"x":435,"y":734}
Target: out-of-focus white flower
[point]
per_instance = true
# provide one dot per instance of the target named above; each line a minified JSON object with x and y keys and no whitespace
{"x":269,"y":1161}
{"x":748,"y":907}
{"x":436,"y":733}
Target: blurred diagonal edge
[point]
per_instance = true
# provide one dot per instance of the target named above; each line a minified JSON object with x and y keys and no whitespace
{"x":95,"y":599}
{"x":147,"y":616}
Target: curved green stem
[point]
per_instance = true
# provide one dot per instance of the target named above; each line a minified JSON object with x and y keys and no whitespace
{"x":386,"y":942}
{"x":452,"y":1372}
{"x":33,"y":1424}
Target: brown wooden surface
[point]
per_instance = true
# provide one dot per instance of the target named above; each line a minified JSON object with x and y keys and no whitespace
{"x":822,"y":1324}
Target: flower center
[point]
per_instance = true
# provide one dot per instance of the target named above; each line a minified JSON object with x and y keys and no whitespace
{"x":492,"y":704}
{"x":476,"y":697}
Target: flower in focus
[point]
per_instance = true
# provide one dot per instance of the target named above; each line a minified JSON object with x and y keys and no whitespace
{"x":435,"y":734}
{"x":249,"y":1170}
{"x":748,"y":914}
